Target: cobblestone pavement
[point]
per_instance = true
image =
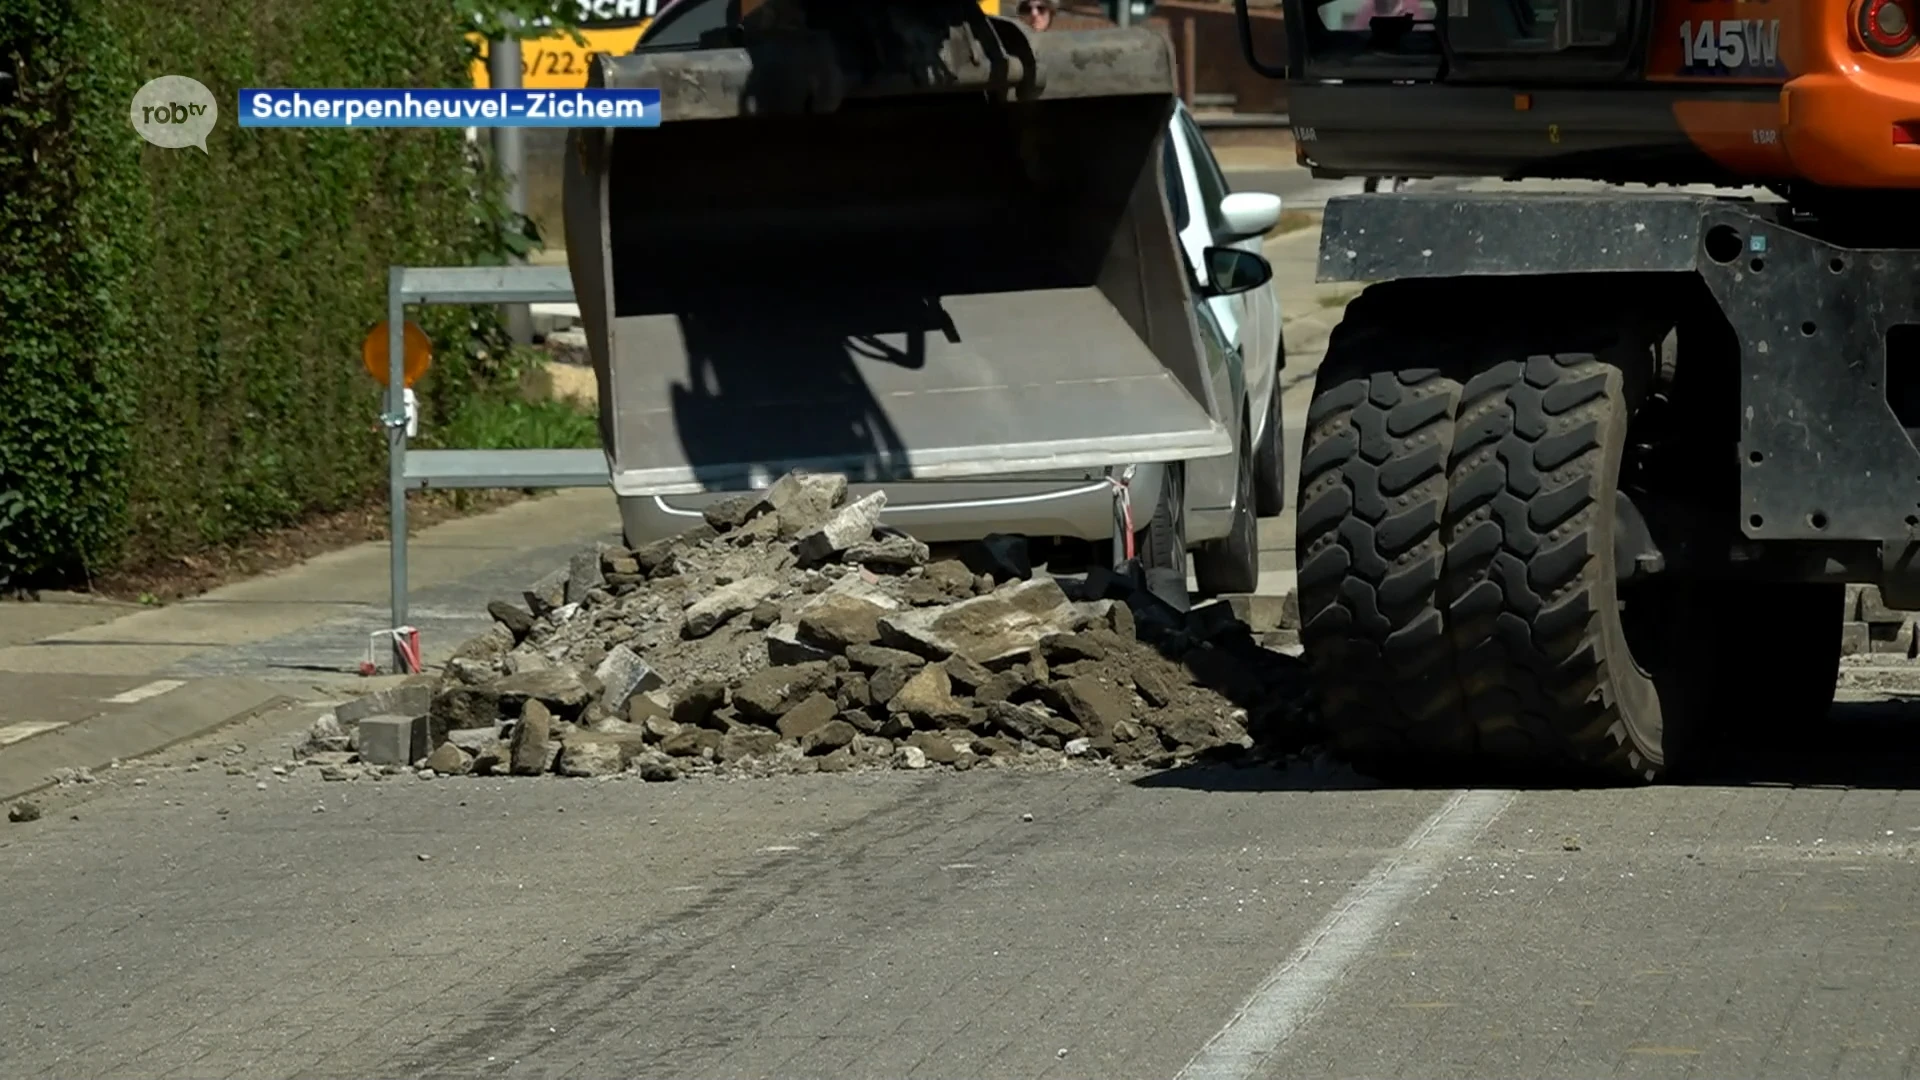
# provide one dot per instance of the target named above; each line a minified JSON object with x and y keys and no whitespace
{"x":201,"y":924}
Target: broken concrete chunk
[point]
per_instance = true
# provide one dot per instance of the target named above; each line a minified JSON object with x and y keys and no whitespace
{"x":692,"y":742}
{"x":563,"y":690}
{"x":1093,"y":704}
{"x":520,"y":660}
{"x":892,"y":554}
{"x":938,"y":748}
{"x":838,"y":622}
{"x":785,"y":647}
{"x":1189,"y":729}
{"x":967,"y":677}
{"x":871,"y":658}
{"x":528,"y":748}
{"x":951,"y":577}
{"x":597,"y":754}
{"x":461,"y":707}
{"x":1154,"y":687}
{"x":697,"y":703}
{"x":517,"y":620}
{"x":623,"y":674}
{"x":548,"y":594}
{"x":852,"y":690}
{"x":828,"y":737}
{"x":887,"y":682}
{"x":450,"y":759}
{"x":583,"y":576}
{"x":470,"y":671}
{"x":988,"y":630}
{"x":927,"y":698}
{"x":803,"y":501}
{"x":748,"y":743}
{"x":713,"y":611}
{"x":809,"y":714}
{"x":848,"y":526}
{"x":763,"y":696}
{"x":1070,"y":648}
{"x":730,"y":513}
{"x":1003,"y":685}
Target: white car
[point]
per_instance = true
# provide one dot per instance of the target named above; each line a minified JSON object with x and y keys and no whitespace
{"x":1251,"y":320}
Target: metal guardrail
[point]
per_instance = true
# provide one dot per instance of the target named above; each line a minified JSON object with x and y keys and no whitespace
{"x":423,"y":469}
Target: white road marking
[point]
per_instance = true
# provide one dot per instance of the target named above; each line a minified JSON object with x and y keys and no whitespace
{"x":142,"y":693}
{"x":13,"y":733}
{"x":1290,"y":996}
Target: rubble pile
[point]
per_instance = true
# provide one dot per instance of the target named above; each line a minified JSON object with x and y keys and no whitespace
{"x":790,"y":633}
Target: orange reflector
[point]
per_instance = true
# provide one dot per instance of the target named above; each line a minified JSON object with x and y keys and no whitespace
{"x":416,"y":352}
{"x":1522,"y":102}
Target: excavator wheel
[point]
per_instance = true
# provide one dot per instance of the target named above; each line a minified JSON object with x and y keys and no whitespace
{"x":1372,"y":498}
{"x":1540,"y":636}
{"x":1455,"y":548}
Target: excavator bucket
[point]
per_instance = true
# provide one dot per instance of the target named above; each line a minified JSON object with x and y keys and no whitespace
{"x":898,"y":240}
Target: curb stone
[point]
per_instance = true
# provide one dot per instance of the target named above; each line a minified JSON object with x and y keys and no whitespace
{"x":1873,"y":628}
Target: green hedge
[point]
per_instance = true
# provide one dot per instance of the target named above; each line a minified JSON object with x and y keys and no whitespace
{"x":179,"y":331}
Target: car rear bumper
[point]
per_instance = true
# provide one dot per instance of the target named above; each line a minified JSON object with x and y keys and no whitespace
{"x":937,"y":512}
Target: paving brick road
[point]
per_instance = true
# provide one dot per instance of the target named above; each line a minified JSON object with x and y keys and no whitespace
{"x":916,"y":925}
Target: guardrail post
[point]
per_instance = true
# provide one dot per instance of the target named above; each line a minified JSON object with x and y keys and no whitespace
{"x":396,"y":422}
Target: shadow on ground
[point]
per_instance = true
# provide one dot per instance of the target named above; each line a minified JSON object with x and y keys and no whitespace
{"x":1867,"y":745}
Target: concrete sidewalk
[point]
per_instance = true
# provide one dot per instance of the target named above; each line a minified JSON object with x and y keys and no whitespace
{"x":85,"y":683}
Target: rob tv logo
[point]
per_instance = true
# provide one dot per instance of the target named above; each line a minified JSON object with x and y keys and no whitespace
{"x":174,"y":111}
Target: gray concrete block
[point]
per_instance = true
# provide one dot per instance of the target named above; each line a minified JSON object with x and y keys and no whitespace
{"x":407,"y":699}
{"x":1891,"y":638}
{"x":393,"y":740}
{"x":1854,"y":639}
{"x":1873,"y":608}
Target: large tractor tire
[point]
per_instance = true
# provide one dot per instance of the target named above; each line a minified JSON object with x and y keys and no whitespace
{"x":1373,"y":492}
{"x":1532,"y":597}
{"x":1459,"y":600}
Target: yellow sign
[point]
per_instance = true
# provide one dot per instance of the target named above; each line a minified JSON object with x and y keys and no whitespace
{"x":556,"y":63}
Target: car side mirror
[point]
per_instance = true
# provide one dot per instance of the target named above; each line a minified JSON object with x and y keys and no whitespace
{"x":1250,"y":213}
{"x":1231,"y":271}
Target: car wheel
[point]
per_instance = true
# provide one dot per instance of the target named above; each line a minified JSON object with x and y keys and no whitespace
{"x":1231,"y":564}
{"x":1161,"y":547}
{"x":1270,"y":456}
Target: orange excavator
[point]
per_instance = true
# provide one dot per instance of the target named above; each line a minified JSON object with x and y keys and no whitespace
{"x":1591,"y":461}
